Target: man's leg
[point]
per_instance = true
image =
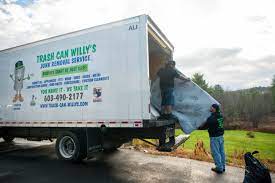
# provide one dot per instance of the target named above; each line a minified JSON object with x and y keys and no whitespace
{"x":162,"y":109}
{"x":169,"y":109}
{"x":170,"y":102}
{"x":214,"y":145}
{"x":163,"y":105}
{"x":223,"y":161}
{"x":163,"y":102}
{"x":167,"y":102}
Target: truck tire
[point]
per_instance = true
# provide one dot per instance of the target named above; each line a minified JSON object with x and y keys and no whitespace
{"x":8,"y":139}
{"x":70,"y":147}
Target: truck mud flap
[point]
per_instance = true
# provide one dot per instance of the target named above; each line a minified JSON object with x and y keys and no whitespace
{"x":94,"y":141}
{"x":192,"y":103}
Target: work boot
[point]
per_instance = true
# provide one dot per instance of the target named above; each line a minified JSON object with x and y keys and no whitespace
{"x":163,"y":117}
{"x":172,"y":117}
{"x":15,"y":98}
{"x":216,"y":170}
{"x":21,"y":99}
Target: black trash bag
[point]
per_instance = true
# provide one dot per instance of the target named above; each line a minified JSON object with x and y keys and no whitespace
{"x":255,"y":171}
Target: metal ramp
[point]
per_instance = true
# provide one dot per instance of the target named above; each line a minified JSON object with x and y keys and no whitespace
{"x":173,"y":143}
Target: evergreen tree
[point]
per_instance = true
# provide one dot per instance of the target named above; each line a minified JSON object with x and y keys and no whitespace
{"x":199,"y":80}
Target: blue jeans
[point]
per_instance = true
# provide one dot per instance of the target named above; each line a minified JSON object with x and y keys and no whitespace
{"x":217,"y":151}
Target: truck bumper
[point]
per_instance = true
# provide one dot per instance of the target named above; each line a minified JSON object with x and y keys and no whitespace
{"x":163,"y":130}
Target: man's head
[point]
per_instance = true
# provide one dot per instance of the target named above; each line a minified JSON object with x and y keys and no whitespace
{"x":215,"y":108}
{"x":171,"y":64}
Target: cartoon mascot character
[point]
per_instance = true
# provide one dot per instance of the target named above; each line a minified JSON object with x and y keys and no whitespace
{"x":18,"y":79}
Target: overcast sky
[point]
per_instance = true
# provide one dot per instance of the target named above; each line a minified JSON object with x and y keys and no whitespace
{"x":232,"y":42}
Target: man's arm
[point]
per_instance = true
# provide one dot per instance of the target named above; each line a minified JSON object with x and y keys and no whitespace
{"x":205,"y":126}
{"x":159,"y":72}
{"x":181,"y":76}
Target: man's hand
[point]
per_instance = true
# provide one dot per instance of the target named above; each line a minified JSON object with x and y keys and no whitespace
{"x":200,"y":128}
{"x":185,"y":78}
{"x":203,"y":126}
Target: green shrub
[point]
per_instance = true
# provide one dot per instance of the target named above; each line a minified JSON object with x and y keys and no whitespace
{"x":250,"y":134}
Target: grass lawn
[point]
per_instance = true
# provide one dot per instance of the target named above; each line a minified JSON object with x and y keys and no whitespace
{"x":237,"y":140}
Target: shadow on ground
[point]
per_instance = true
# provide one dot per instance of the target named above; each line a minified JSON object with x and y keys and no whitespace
{"x":41,"y":165}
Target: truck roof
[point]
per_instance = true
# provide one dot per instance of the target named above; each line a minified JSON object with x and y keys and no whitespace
{"x":151,"y":23}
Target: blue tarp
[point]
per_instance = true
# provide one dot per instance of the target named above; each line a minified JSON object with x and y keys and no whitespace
{"x":192,"y":103}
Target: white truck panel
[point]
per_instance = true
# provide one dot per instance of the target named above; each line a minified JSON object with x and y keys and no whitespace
{"x":112,"y":84}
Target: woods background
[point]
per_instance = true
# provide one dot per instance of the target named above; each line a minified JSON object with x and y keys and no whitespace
{"x":244,"y":109}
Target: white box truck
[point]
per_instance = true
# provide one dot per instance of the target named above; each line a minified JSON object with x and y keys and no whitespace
{"x":90,"y":89}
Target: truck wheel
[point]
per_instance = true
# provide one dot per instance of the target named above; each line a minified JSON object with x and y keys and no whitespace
{"x":8,"y":139}
{"x":70,"y":147}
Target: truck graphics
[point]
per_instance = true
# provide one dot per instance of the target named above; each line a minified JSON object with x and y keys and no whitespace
{"x":18,"y":78}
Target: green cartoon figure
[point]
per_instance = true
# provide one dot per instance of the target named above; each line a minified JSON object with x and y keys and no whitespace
{"x":18,"y":79}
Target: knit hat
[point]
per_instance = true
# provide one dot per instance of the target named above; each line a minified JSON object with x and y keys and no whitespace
{"x":217,"y":107}
{"x":172,"y":62}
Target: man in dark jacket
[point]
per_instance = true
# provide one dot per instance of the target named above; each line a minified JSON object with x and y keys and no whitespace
{"x":214,"y":124}
{"x":167,"y":76}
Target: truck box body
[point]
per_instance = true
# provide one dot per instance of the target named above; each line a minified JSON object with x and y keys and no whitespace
{"x":89,"y":78}
{"x":95,"y":89}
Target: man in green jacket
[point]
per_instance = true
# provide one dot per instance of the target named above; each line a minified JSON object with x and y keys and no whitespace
{"x":214,"y":124}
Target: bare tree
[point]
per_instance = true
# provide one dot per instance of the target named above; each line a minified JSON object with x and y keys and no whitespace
{"x":273,"y":93}
{"x":250,"y":105}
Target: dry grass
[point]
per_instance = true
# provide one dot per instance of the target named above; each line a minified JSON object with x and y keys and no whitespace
{"x":199,"y":153}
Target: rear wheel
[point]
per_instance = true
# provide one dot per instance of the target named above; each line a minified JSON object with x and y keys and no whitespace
{"x":8,"y":139}
{"x":70,"y":147}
